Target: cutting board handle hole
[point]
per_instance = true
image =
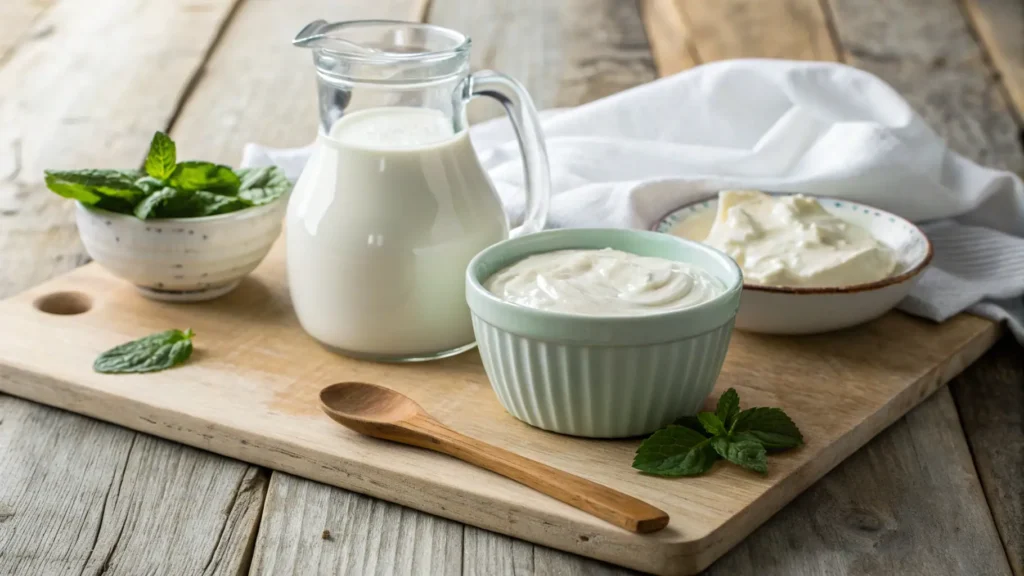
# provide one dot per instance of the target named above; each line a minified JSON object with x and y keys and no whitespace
{"x":64,"y":303}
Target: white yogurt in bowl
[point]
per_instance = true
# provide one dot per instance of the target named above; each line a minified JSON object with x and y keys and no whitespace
{"x":603,"y":282}
{"x":794,"y":241}
{"x":825,"y":277}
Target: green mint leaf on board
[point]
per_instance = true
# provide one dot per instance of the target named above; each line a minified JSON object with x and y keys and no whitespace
{"x":162,"y":157}
{"x":194,"y":175}
{"x":691,"y":422}
{"x":746,"y":453}
{"x":262,"y":185}
{"x":691,"y":445}
{"x":90,"y":187}
{"x":728,"y":407}
{"x":155,"y":352}
{"x":711,"y":423}
{"x":675,"y":451}
{"x":770,"y":426}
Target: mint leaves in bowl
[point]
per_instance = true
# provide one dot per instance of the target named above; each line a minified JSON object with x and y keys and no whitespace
{"x":180,"y":231}
{"x":171,"y":189}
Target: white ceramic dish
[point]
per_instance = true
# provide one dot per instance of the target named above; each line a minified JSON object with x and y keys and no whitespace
{"x":181,"y":259}
{"x":786,"y":310}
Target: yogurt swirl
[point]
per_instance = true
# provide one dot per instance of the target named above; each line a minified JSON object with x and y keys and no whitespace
{"x":603,"y":283}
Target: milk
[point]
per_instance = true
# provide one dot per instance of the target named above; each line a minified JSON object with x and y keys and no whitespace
{"x":381,"y":225}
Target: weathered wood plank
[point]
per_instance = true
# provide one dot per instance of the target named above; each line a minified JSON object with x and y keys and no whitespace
{"x":1000,"y":26}
{"x":489,"y":554}
{"x":686,"y":32}
{"x":565,"y":53}
{"x":311,"y":528}
{"x":925,"y":50}
{"x":17,"y":18}
{"x":81,"y":497}
{"x":908,"y":503}
{"x":89,"y":92}
{"x":990,"y":399}
{"x":668,"y":34}
{"x":256,"y":87}
{"x":79,"y":87}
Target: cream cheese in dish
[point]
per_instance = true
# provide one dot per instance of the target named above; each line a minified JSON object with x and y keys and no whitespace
{"x":794,"y":241}
{"x":603,"y":283}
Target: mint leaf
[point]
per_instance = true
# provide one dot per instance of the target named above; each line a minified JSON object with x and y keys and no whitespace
{"x":92,"y":186}
{"x":262,"y":185}
{"x":711,"y":423}
{"x":162,"y":157}
{"x":194,"y":175}
{"x":149,"y":354}
{"x":175,"y":203}
{"x":675,"y":451}
{"x":167,"y":203}
{"x":691,"y":422}
{"x":148,"y":184}
{"x":210,"y":204}
{"x":747,"y":453}
{"x":728,"y":407}
{"x":770,"y":426}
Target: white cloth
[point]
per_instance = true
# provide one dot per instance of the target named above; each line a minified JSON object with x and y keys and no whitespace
{"x":810,"y":127}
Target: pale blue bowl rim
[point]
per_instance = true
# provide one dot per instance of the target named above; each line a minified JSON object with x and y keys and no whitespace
{"x":653,"y":328}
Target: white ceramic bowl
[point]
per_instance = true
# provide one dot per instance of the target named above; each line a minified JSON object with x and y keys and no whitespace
{"x":602,"y":376}
{"x":785,"y":310}
{"x":181,"y":259}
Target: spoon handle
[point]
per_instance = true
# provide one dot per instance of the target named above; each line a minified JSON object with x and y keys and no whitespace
{"x":610,"y":505}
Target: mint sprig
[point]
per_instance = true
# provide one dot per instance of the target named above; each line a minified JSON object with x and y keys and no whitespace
{"x":691,"y":445}
{"x":171,"y":189}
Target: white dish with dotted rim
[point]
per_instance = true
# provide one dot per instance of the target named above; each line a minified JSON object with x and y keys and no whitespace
{"x":798,"y":310}
{"x":181,"y":259}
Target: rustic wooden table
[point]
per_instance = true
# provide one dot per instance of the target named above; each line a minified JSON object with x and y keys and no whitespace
{"x":85,"y":84}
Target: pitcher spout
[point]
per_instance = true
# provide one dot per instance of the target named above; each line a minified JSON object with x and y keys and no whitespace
{"x":310,"y":33}
{"x":323,"y":34}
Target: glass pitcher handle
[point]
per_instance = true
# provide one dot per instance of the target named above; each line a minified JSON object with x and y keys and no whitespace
{"x":523,"y":115}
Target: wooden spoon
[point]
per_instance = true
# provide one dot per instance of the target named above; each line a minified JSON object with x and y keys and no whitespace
{"x":383,"y":413}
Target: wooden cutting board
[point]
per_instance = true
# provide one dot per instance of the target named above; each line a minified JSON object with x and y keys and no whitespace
{"x":250,"y":390}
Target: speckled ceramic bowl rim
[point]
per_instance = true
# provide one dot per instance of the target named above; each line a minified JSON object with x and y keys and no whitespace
{"x":653,"y":328}
{"x":251,"y":211}
{"x":852,"y":288}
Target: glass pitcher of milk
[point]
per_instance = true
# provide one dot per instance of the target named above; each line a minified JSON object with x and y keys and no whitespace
{"x":394,"y":202}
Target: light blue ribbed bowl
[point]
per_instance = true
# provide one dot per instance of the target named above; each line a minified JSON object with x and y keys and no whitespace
{"x":602,"y":376}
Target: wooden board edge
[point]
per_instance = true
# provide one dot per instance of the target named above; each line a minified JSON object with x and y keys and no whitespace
{"x":742,"y":524}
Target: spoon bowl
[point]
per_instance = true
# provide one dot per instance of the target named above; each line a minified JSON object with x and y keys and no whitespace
{"x":367,"y":403}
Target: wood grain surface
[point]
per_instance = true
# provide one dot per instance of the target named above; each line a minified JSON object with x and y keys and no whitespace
{"x":79,"y":496}
{"x":78,"y":88}
{"x":565,"y":53}
{"x":990,"y":398}
{"x":1000,"y":28}
{"x":684,"y":33}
